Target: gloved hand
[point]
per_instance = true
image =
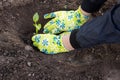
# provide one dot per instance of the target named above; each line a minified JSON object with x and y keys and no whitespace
{"x":64,"y":21}
{"x":49,"y":43}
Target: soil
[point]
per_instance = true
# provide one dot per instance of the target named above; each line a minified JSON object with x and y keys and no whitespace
{"x":19,"y":60}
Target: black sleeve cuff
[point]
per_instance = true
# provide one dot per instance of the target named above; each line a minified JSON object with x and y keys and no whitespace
{"x":73,"y":41}
{"x":91,"y":6}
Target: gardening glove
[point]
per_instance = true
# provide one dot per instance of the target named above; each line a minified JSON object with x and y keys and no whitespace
{"x":49,"y":43}
{"x":64,"y":21}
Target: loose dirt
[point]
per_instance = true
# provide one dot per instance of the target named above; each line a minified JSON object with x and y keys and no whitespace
{"x":19,"y":60}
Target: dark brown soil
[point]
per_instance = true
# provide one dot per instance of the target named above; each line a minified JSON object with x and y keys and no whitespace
{"x":19,"y":60}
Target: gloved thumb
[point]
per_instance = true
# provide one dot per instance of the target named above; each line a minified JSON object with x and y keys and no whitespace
{"x":36,"y":40}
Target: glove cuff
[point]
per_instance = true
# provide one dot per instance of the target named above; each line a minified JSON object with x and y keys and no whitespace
{"x":82,"y":15}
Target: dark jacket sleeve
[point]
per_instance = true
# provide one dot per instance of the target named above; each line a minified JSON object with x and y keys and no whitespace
{"x":102,"y":29}
{"x":118,"y":1}
{"x":91,"y":6}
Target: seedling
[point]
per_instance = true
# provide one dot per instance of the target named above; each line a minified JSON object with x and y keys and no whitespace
{"x":36,"y":24}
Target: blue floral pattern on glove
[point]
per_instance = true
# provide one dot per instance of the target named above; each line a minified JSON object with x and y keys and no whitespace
{"x":58,"y":22}
{"x":37,"y":38}
{"x":45,"y":42}
{"x":51,"y":22}
{"x":62,"y":25}
{"x":51,"y":15}
{"x":57,"y":40}
{"x":45,"y":51}
{"x":63,"y":20}
{"x":49,"y":43}
{"x":70,"y":17}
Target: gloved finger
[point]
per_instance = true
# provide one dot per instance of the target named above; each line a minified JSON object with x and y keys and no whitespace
{"x":54,"y":14}
{"x":49,"y":15}
{"x":56,"y":31}
{"x":36,"y":39}
{"x":49,"y":26}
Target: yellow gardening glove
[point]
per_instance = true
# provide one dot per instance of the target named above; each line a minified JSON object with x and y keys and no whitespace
{"x":49,"y":43}
{"x":64,"y":21}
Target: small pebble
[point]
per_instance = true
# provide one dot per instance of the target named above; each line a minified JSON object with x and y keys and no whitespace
{"x":28,"y":48}
{"x":29,"y":74}
{"x":29,"y":64}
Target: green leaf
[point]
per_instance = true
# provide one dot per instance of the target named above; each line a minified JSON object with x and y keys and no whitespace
{"x":34,"y":25}
{"x":36,"y":17}
{"x":38,"y":26}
